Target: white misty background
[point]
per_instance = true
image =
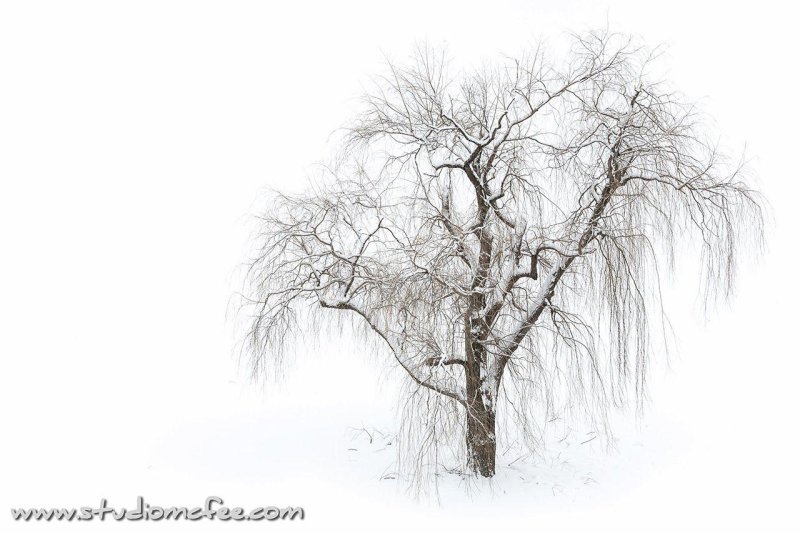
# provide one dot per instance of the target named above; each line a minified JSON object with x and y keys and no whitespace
{"x":135,"y":141}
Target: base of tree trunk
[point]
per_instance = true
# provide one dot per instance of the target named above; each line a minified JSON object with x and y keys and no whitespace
{"x":481,"y":441}
{"x":482,"y":458}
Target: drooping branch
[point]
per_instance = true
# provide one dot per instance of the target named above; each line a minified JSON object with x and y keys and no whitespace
{"x":396,"y":346}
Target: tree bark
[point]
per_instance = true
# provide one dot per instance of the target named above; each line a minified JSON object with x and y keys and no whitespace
{"x":481,"y":441}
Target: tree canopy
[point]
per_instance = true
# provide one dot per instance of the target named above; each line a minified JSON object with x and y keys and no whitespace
{"x":502,"y":234}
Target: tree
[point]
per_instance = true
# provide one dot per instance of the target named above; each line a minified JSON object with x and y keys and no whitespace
{"x":502,"y":233}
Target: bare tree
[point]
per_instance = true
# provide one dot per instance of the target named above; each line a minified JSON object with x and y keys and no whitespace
{"x":501,"y":233}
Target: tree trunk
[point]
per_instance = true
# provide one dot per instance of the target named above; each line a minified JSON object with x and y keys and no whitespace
{"x":481,"y":441}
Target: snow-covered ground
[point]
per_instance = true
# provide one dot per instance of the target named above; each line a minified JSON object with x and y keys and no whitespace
{"x":134,"y":142}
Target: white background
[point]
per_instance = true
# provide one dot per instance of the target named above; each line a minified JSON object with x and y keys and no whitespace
{"x":138,"y":138}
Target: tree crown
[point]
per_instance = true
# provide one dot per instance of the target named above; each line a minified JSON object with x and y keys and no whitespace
{"x":510,"y":221}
